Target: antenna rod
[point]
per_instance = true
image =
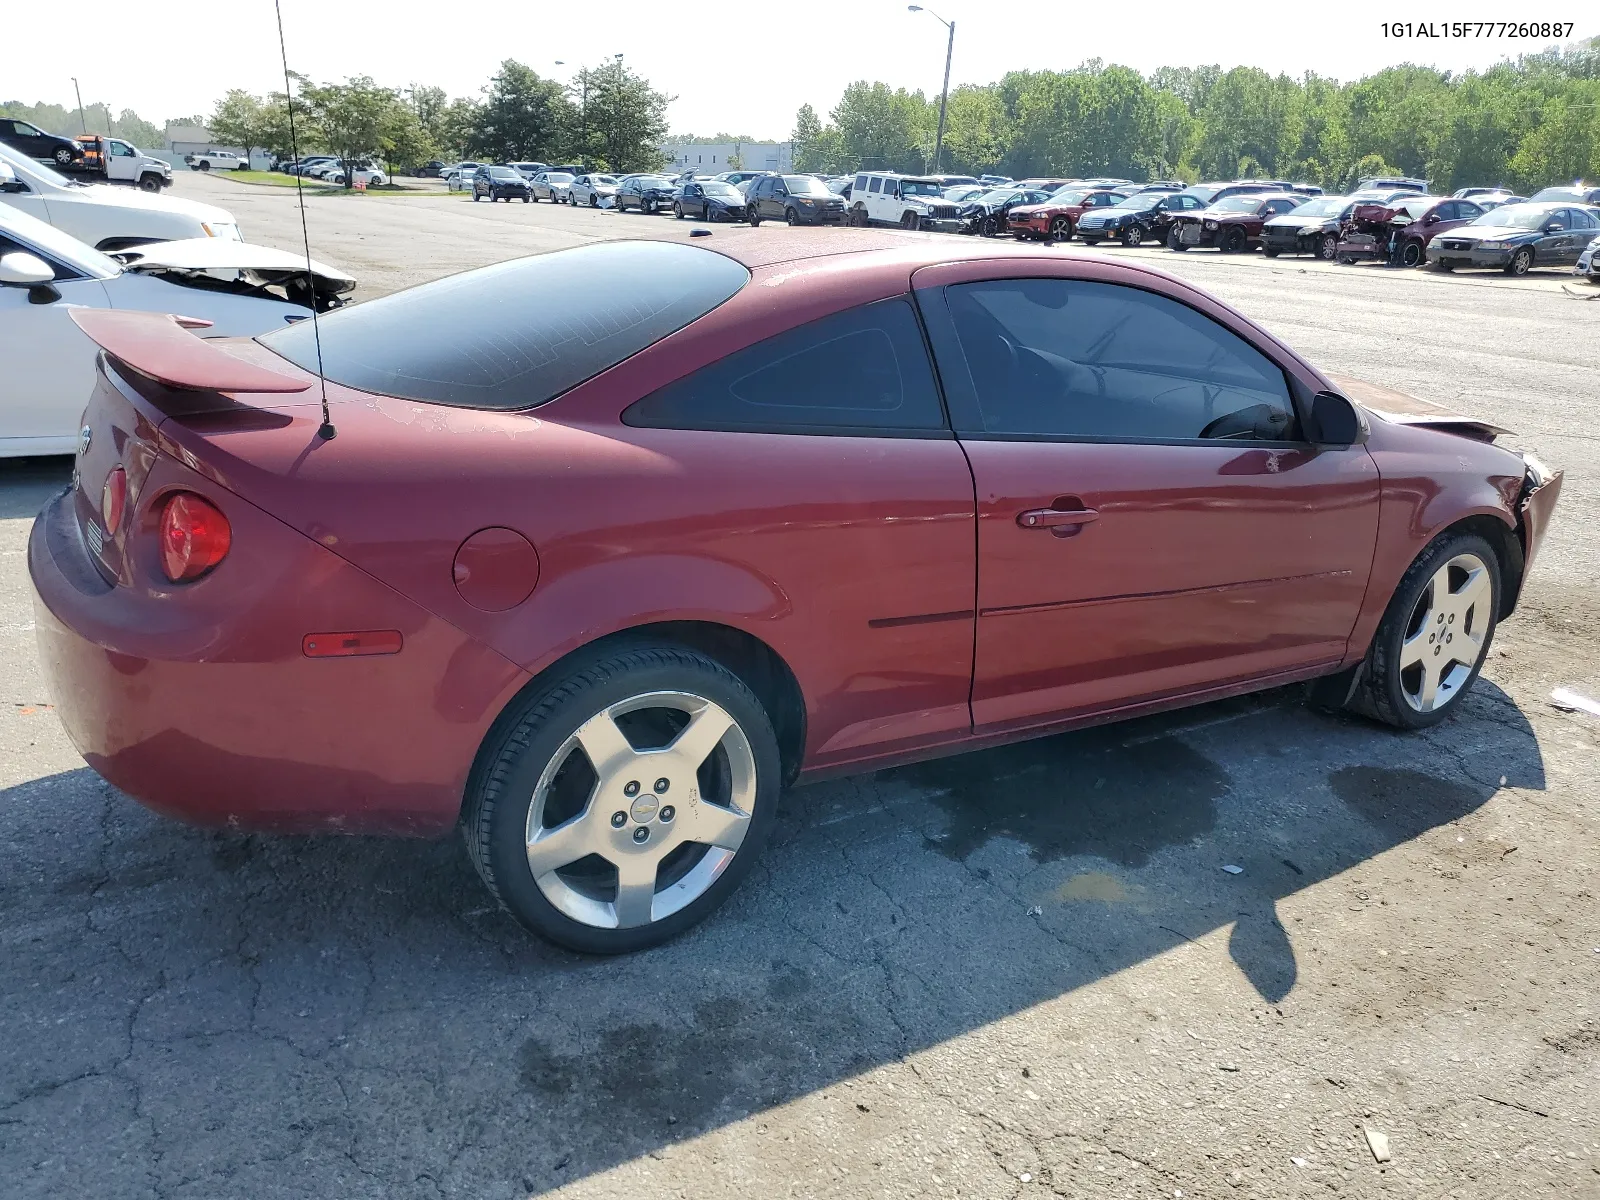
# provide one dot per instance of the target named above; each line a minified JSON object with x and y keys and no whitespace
{"x":326,"y":432}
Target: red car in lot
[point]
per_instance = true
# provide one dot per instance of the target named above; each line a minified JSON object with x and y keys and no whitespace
{"x":1057,"y":218}
{"x":1233,"y":224}
{"x":1400,"y":230}
{"x":595,"y":580}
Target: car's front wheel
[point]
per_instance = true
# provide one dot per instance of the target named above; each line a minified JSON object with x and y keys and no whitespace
{"x":620,"y":806}
{"x":63,"y":156}
{"x":1133,"y":235}
{"x":791,"y":216}
{"x":1328,"y":247}
{"x":1061,"y":229}
{"x":1434,"y":635}
{"x":1521,"y":262}
{"x":1411,"y":254}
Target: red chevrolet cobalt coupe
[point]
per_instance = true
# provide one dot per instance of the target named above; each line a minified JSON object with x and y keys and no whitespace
{"x":595,"y":578}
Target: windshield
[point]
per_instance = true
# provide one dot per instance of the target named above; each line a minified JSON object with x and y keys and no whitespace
{"x":1515,"y":216}
{"x":722,"y":191}
{"x":804,"y":185}
{"x":602,"y":179}
{"x":1557,"y":193}
{"x":1139,"y":202}
{"x":1068,"y":195}
{"x":1237,"y":204}
{"x":999,"y":195}
{"x":920,"y":187}
{"x":503,"y":173}
{"x":654,"y":181}
{"x":1322,"y":206}
{"x":560,"y":177}
{"x":1202,"y":194}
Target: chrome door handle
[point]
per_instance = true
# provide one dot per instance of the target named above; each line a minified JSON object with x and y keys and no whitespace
{"x":1054,"y":518}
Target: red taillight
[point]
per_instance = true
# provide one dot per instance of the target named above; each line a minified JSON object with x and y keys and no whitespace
{"x":195,"y":537}
{"x":113,"y":497}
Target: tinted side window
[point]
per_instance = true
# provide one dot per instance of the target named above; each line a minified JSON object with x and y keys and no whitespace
{"x":1075,"y":360}
{"x":873,"y":186}
{"x":862,"y":371}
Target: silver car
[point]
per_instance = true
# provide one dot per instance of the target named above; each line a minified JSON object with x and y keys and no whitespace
{"x":592,"y":190}
{"x":551,"y":185}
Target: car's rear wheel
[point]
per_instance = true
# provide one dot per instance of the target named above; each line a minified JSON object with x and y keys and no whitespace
{"x":1328,"y":247}
{"x":1411,"y":254}
{"x":623,"y":804}
{"x":1434,"y":635}
{"x":1521,"y":262}
{"x":1133,"y":235}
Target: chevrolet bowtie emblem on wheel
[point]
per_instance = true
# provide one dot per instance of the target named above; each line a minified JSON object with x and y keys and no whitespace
{"x":85,"y":436}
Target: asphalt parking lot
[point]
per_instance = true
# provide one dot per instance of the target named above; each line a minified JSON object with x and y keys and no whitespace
{"x":1022,"y":972}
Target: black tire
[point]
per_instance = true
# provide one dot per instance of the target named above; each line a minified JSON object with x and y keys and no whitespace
{"x":1233,"y":241}
{"x":1380,"y":694}
{"x":647,"y":207}
{"x":1133,"y":235}
{"x":476,"y":197}
{"x":755,"y":217}
{"x":1411,"y":254}
{"x":989,"y":226}
{"x":204,"y":165}
{"x":677,"y":211}
{"x":526,"y":197}
{"x":1521,"y":262}
{"x":63,"y":156}
{"x":791,"y":216}
{"x":149,"y":183}
{"x":1270,"y":251}
{"x":1348,"y":260}
{"x":500,"y":792}
{"x":1061,"y":229}
{"x":594,"y":200}
{"x":1328,"y":247}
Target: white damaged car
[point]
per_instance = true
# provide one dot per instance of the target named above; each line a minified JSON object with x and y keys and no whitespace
{"x":225,"y":288}
{"x":104,"y":215}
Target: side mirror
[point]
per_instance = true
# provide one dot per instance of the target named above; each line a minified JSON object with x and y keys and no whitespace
{"x":9,"y":181}
{"x":22,"y":269}
{"x":1430,"y":218}
{"x":1553,"y":227}
{"x":1335,"y":421}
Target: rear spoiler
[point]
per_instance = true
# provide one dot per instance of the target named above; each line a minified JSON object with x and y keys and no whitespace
{"x":161,"y":346}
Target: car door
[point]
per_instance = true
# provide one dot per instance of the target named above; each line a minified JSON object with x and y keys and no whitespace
{"x":1150,"y":522}
{"x":1574,"y":238}
{"x":49,"y":363}
{"x":122,"y":161}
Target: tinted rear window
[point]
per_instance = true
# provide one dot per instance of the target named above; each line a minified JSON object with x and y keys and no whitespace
{"x":518,"y":333}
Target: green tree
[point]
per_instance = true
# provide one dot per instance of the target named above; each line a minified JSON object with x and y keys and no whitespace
{"x":625,"y":119}
{"x":807,"y":140}
{"x":239,"y":120}
{"x":353,"y":118}
{"x":522,"y":117}
{"x":883,"y":128}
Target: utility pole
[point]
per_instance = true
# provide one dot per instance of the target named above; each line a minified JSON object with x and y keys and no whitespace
{"x":944,"y":96}
{"x":616,"y":114}
{"x":83,"y":125}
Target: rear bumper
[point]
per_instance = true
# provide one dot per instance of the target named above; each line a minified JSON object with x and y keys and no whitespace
{"x":199,"y":702}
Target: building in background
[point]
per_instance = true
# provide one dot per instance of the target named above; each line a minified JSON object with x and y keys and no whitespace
{"x":713,"y":158}
{"x":196,"y":139}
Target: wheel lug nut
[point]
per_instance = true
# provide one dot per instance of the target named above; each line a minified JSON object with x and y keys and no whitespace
{"x":631,"y":788}
{"x":641,"y":835}
{"x":661,"y":786}
{"x":668,"y":812}
{"x":618,"y":820}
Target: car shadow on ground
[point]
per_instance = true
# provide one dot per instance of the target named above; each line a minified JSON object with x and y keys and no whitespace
{"x":199,"y":1006}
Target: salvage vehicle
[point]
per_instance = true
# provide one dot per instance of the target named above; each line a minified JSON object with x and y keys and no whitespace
{"x":985,"y":215}
{"x":106,"y":217}
{"x":909,"y":201}
{"x":649,"y":193}
{"x":1589,"y":262}
{"x":590,"y":191}
{"x":1232,"y":224}
{"x":112,"y":160}
{"x":225,"y":287}
{"x":500,"y":183}
{"x":797,"y":199}
{"x":709,"y":200}
{"x":1315,"y":227}
{"x":1518,"y":237}
{"x":597,"y":609}
{"x":1143,"y":216}
{"x":1398,"y":231}
{"x":1400,"y":183}
{"x":1055,"y":219}
{"x":32,"y":142}
{"x":551,"y":186}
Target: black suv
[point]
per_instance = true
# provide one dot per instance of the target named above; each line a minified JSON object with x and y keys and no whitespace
{"x":37,"y":144}
{"x":501,"y":183}
{"x":797,"y":199}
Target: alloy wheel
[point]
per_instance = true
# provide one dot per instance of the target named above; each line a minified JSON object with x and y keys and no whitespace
{"x":1061,"y":229}
{"x":641,"y":809}
{"x":1445,"y":637}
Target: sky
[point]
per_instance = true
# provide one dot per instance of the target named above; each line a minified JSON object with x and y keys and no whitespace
{"x":743,"y":72}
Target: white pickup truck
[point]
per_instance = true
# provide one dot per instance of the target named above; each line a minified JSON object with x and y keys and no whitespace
{"x":216,"y":160}
{"x":112,"y":160}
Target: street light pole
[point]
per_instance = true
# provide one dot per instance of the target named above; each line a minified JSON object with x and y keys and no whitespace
{"x":81,"y":122}
{"x":616,"y":114}
{"x":944,"y":96}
